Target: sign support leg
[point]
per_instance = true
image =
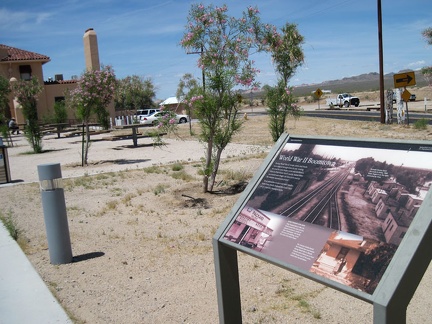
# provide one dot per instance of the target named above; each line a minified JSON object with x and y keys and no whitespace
{"x":227,"y":284}
{"x":395,"y":314}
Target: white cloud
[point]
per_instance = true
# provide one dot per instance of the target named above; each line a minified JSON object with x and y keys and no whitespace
{"x":9,"y":19}
{"x":22,"y":20}
{"x":417,"y":64}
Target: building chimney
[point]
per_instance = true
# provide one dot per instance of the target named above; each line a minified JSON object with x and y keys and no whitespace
{"x":91,"y":52}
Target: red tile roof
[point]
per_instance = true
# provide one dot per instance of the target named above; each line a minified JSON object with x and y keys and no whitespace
{"x":11,"y":54}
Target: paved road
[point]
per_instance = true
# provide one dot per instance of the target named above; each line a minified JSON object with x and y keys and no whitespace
{"x":367,"y":111}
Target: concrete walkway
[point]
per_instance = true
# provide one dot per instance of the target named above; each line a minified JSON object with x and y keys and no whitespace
{"x":24,"y":297}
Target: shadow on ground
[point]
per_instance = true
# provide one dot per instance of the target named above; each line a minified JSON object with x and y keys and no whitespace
{"x":122,"y":161}
{"x":87,"y":256}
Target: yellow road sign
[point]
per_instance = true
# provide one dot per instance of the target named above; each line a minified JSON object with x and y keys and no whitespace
{"x":318,"y":93}
{"x":404,"y":79}
{"x":406,"y":95}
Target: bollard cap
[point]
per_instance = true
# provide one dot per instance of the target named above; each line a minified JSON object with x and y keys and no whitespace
{"x":49,"y":171}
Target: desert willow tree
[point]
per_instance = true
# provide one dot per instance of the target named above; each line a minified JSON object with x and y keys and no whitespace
{"x":26,"y":93}
{"x":94,"y":92}
{"x":5,"y":90}
{"x":427,"y":70}
{"x":287,"y":55}
{"x":224,"y":44}
{"x":187,"y":87}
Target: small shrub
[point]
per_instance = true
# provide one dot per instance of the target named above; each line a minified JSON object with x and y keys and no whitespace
{"x":84,"y":181}
{"x":112,"y":204}
{"x":10,"y":225}
{"x":101,"y":176}
{"x":127,"y":199}
{"x":177,"y":167}
{"x":285,"y":291}
{"x":153,"y":169}
{"x":241,"y":175}
{"x":159,"y":189}
{"x":116,"y":192}
{"x":421,"y":124}
{"x":182,"y":175}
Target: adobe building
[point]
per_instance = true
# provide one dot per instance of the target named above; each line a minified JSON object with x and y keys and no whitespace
{"x":19,"y":64}
{"x":174,"y":104}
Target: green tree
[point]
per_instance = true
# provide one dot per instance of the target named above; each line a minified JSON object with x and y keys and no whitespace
{"x":186,"y":89}
{"x":93,"y":94}
{"x":225,"y":44}
{"x":26,"y":93}
{"x":58,"y":115}
{"x":134,"y":92}
{"x":287,"y":55}
{"x":364,"y":165}
{"x":427,"y":34}
{"x":427,"y":73}
{"x":60,"y":112}
{"x":281,"y":104}
{"x":4,"y":97}
{"x":427,"y":70}
{"x":4,"y":106}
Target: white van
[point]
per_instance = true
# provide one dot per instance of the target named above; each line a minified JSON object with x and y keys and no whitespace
{"x":146,"y":112}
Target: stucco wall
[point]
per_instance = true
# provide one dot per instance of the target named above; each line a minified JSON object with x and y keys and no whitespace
{"x":46,"y":98}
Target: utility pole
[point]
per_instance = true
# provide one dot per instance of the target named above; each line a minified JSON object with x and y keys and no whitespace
{"x":381,"y":69}
{"x":203,"y":73}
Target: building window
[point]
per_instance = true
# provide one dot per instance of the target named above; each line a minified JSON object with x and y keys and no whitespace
{"x":25,"y":72}
{"x":402,"y":235}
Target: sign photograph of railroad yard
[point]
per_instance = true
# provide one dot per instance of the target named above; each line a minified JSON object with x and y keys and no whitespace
{"x":335,"y":208}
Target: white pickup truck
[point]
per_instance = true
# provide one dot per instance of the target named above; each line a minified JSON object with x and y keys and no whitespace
{"x":343,"y":100}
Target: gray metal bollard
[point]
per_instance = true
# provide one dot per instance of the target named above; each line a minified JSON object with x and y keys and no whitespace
{"x":54,"y":208}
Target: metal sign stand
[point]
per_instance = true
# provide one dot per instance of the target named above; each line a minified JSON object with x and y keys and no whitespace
{"x":396,"y":287}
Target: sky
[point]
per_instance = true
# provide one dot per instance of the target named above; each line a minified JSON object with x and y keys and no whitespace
{"x":143,"y":37}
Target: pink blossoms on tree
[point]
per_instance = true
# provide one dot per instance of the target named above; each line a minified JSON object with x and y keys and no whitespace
{"x":91,"y":97}
{"x":224,"y":44}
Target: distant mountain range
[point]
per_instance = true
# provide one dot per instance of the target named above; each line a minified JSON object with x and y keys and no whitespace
{"x":359,"y":83}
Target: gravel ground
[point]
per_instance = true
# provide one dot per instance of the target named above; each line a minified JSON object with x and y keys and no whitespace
{"x":143,"y":249}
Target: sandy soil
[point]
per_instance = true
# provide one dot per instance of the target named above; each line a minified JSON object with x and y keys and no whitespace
{"x":142,"y":247}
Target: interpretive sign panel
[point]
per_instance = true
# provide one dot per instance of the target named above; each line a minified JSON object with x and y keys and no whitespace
{"x":336,"y":209}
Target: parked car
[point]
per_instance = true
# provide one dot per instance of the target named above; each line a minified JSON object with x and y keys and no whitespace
{"x":143,"y":113}
{"x":153,"y":119}
{"x":413,"y":97}
{"x":182,"y":119}
{"x":146,"y":111}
